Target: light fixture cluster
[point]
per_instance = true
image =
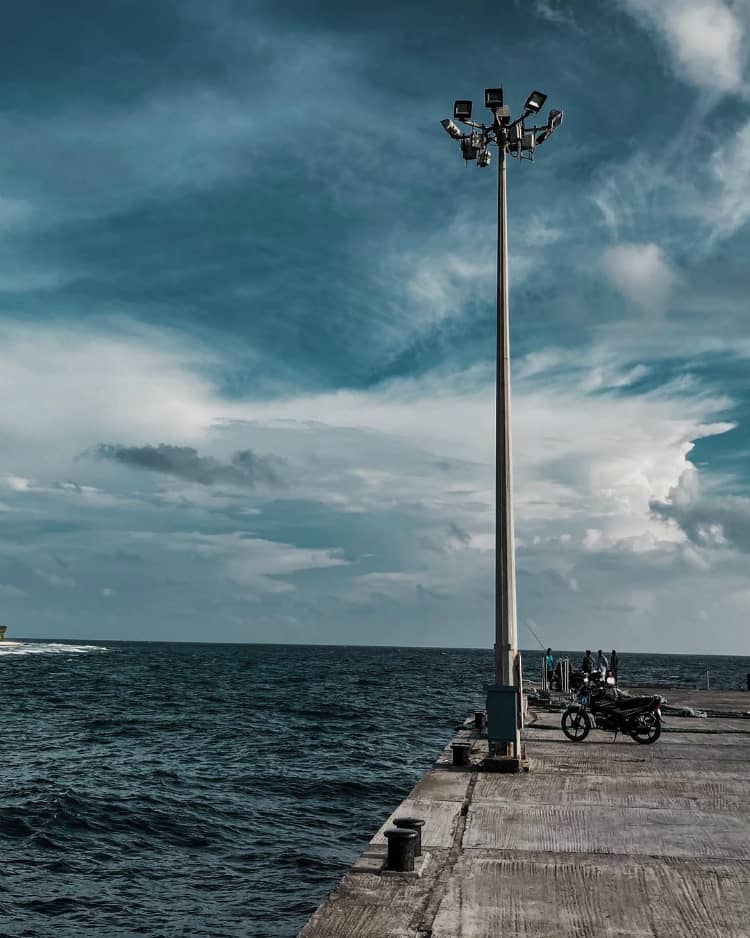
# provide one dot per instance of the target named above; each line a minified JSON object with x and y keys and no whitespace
{"x":513,"y":137}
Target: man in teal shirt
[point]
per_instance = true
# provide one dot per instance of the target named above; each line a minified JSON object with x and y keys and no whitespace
{"x":549,"y":663}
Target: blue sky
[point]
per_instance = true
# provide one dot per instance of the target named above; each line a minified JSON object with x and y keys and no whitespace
{"x":247,"y":323}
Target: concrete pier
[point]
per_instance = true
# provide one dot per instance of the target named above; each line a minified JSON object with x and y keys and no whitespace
{"x":599,"y":839}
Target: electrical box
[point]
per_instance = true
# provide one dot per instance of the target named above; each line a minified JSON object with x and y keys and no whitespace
{"x":503,"y":713}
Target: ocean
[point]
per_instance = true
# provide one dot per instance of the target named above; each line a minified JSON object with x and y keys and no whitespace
{"x":221,"y":790}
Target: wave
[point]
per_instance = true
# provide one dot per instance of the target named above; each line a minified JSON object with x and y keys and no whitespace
{"x":46,"y":648}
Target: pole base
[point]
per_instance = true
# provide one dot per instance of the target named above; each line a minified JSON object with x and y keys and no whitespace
{"x":508,"y":764}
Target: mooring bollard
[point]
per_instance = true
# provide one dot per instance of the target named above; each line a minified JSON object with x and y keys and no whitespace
{"x":412,"y":824}
{"x":480,"y":719}
{"x":461,"y":753}
{"x":401,"y":843}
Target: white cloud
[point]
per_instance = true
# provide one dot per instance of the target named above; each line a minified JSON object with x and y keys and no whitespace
{"x":576,"y":455}
{"x":254,"y":563}
{"x":440,"y":285}
{"x":704,"y":38}
{"x":691,"y":205}
{"x":418,"y":452}
{"x":454,"y":270}
{"x":707,"y":517}
{"x":602,"y":376}
{"x":451,"y":269}
{"x":730,"y":166}
{"x":11,"y":592}
{"x":641,"y":272}
{"x":71,"y":384}
{"x":557,"y":13}
{"x":14,"y":483}
{"x":535,"y":363}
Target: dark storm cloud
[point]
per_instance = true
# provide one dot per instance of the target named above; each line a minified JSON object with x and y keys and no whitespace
{"x":712,"y":521}
{"x":246,"y":468}
{"x":458,"y":533}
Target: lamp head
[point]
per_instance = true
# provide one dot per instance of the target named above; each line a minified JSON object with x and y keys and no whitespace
{"x":535,"y":102}
{"x":451,"y":129}
{"x":493,"y":98}
{"x":555,"y":119}
{"x":462,"y":110}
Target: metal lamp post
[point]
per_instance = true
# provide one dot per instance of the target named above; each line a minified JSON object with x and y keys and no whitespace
{"x":513,"y":138}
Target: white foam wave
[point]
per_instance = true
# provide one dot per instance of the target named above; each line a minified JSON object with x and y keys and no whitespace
{"x":46,"y":648}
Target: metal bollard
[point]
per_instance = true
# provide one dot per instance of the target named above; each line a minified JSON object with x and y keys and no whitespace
{"x":401,"y":843}
{"x":412,"y":824}
{"x":480,"y":719}
{"x":461,"y":753}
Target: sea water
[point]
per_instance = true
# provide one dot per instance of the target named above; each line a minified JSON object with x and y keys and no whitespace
{"x":177,"y":789}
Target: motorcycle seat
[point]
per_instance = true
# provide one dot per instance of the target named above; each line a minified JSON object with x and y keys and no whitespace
{"x":634,"y":703}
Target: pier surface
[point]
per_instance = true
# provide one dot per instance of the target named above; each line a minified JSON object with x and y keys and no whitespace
{"x":599,"y":839}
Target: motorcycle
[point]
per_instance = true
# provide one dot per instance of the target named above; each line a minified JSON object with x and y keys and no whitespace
{"x":639,"y":717}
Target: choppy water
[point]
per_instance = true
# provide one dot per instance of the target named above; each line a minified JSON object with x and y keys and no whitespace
{"x":165,"y":789}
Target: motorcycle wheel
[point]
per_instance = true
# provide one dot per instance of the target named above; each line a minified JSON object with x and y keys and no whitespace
{"x":576,"y":725}
{"x":645,"y":728}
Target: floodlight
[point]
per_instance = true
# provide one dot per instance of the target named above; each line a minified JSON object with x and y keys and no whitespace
{"x":450,"y":128}
{"x":484,"y":158}
{"x":468,"y":150}
{"x":555,"y":119}
{"x":462,"y":110}
{"x":535,"y":101}
{"x":528,"y":141}
{"x":493,"y":98}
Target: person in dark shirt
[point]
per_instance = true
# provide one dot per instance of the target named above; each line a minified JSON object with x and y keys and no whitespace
{"x":587,"y":665}
{"x":613,"y":663}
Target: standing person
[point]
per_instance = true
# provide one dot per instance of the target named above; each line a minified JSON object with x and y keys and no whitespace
{"x":613,"y":662}
{"x":602,"y":665}
{"x":549,"y":664}
{"x":587,"y":665}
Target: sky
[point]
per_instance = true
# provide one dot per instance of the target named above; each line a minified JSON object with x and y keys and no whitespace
{"x":247,"y":323}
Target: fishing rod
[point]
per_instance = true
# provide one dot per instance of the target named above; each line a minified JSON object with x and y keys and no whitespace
{"x":530,"y":627}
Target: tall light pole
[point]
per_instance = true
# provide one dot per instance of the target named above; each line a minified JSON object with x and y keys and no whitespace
{"x":512,"y":139}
